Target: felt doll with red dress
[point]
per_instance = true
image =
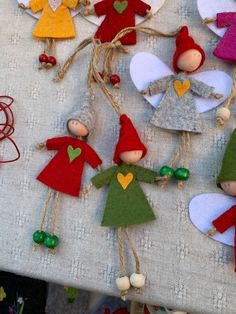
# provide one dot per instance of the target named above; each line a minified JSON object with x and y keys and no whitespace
{"x":126,"y":203}
{"x":119,"y":14}
{"x":63,"y":174}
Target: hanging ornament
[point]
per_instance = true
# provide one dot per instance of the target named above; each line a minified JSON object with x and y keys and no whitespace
{"x":126,"y":204}
{"x":214,"y":214}
{"x":7,"y":122}
{"x":173,"y":96}
{"x":64,"y":172}
{"x":220,"y":17}
{"x":55,"y":22}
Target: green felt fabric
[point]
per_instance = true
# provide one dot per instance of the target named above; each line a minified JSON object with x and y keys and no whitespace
{"x":125,"y":207}
{"x":228,"y":168}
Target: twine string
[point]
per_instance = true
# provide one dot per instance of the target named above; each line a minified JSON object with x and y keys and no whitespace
{"x":45,"y":211}
{"x":133,"y":248}
{"x":54,"y":213}
{"x":120,"y":252}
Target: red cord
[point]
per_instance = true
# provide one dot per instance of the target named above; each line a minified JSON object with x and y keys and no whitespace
{"x":7,"y":127}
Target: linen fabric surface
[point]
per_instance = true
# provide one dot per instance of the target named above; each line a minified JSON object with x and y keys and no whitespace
{"x":185,"y":269}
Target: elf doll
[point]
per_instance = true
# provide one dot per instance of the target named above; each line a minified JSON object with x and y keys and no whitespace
{"x":227,"y":182}
{"x":55,"y":23}
{"x":126,"y":203}
{"x":63,"y":174}
{"x":118,"y":15}
{"x":177,"y":109}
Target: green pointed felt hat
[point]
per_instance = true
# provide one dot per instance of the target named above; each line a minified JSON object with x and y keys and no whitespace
{"x":228,"y":168}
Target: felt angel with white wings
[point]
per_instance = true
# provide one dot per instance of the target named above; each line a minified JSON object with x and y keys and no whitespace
{"x":213,"y":213}
{"x":174,"y":95}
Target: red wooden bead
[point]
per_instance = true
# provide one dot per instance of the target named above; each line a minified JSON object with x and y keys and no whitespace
{"x":43,"y":58}
{"x":115,"y":79}
{"x":52,"y":60}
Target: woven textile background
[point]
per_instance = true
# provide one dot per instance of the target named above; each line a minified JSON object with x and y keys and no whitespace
{"x":185,"y":269}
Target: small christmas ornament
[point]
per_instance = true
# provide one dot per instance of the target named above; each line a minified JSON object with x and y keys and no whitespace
{"x":173,"y":95}
{"x":7,"y":122}
{"x":63,"y":174}
{"x":119,"y":14}
{"x":55,"y":23}
{"x":220,"y":17}
{"x":215,"y":214}
{"x":126,"y":204}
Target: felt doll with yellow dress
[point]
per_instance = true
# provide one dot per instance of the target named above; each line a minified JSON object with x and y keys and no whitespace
{"x":55,"y":23}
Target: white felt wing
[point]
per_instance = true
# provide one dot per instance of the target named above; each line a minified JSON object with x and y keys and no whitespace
{"x":205,"y":208}
{"x":209,"y":8}
{"x":146,"y":67}
{"x":37,"y":15}
{"x":155,"y":5}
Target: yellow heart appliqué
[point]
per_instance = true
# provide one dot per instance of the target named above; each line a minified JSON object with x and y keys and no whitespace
{"x":181,"y":88}
{"x":125,"y":180}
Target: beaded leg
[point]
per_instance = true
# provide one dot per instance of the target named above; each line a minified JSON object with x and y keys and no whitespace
{"x":172,"y":163}
{"x":47,"y":59}
{"x":137,"y":279}
{"x":40,"y":235}
{"x":123,"y":283}
{"x":185,"y":156}
{"x":53,"y":239}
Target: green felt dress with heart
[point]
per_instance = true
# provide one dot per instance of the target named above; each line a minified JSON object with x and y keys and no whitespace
{"x":126,"y":203}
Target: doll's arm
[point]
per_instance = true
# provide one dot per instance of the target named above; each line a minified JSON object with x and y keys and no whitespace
{"x":141,"y":8}
{"x":103,"y":178}
{"x":158,"y":86}
{"x":201,"y":89}
{"x":144,"y":174}
{"x":54,"y":143}
{"x":91,"y":157}
{"x":35,"y":5}
{"x":223,"y":222}
{"x":99,"y":9}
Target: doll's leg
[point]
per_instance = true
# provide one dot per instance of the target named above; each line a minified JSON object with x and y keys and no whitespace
{"x":137,"y":279}
{"x":47,"y":59}
{"x":183,"y":173}
{"x":122,"y":282}
{"x":40,"y":235}
{"x":171,"y":164}
{"x":51,"y":241}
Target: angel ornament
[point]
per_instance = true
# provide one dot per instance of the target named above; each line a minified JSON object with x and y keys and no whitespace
{"x":126,"y":204}
{"x":177,"y":109}
{"x":55,"y":23}
{"x":63,"y":174}
{"x":214,"y":214}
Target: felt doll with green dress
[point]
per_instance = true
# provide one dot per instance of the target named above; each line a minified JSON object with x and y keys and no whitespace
{"x":126,"y":203}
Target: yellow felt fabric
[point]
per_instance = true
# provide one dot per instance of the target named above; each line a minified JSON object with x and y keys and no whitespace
{"x":58,"y":24}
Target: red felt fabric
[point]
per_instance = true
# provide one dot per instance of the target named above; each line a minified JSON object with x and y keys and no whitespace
{"x":224,"y":222}
{"x":128,"y":139}
{"x":62,"y":175}
{"x":114,"y":22}
{"x":184,"y":43}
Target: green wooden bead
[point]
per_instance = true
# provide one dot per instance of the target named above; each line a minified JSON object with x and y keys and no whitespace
{"x":166,"y":171}
{"x":182,"y":174}
{"x":51,"y":241}
{"x":39,"y":236}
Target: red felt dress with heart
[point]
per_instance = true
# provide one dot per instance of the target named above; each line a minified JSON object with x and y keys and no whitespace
{"x":119,"y":15}
{"x":64,"y":171}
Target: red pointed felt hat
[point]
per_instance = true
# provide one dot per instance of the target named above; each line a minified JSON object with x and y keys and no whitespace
{"x":184,"y":42}
{"x":128,"y":139}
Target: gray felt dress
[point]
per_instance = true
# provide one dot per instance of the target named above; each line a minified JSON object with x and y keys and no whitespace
{"x":177,"y":109}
